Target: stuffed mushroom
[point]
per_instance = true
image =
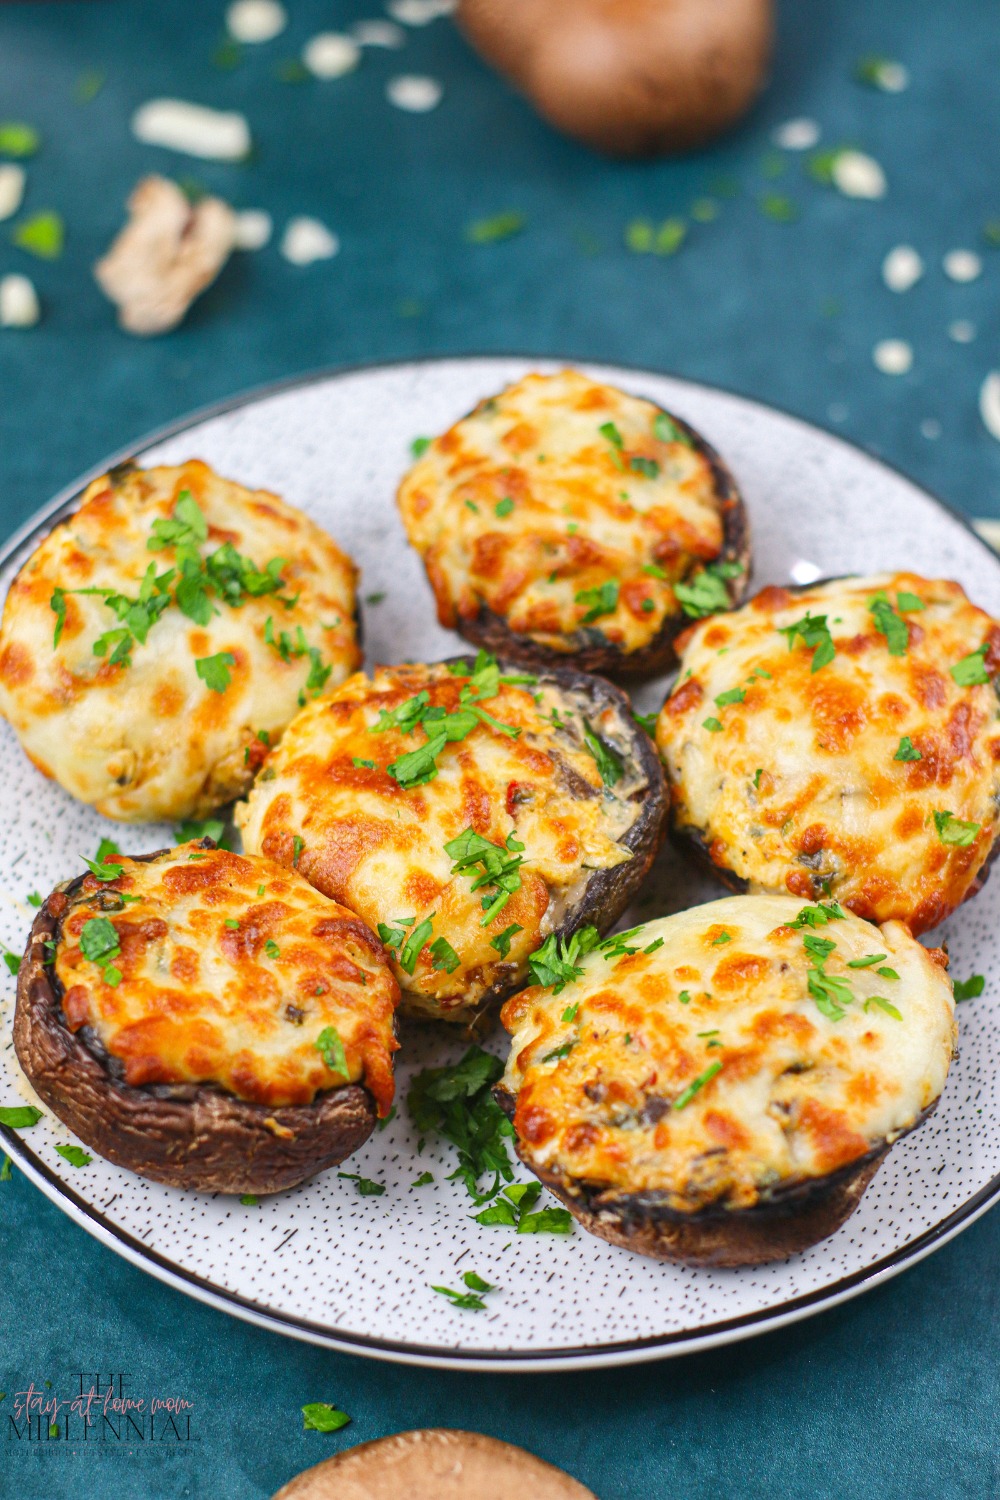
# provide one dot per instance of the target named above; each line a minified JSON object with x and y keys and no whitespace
{"x":207,"y":1020}
{"x":162,"y":636}
{"x":842,"y":739}
{"x":719,"y":1087}
{"x":466,"y":811}
{"x":564,"y":521}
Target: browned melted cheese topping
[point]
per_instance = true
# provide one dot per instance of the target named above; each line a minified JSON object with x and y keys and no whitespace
{"x":606,"y":1073}
{"x":800,"y":787}
{"x":151,"y":740}
{"x":231,"y":969}
{"x":525,"y":504}
{"x":380,"y":848}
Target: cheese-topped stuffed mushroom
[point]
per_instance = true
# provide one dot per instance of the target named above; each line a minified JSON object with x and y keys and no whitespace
{"x":163,"y":635}
{"x":466,"y":812}
{"x":208,"y":1020}
{"x":720,"y":1086}
{"x":842,"y":739}
{"x":565,"y":521}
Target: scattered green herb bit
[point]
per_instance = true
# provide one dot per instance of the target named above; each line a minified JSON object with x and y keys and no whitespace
{"x":882,"y":1004}
{"x":696,"y":1084}
{"x":471,"y":505}
{"x":814,"y":634}
{"x":363,"y":1185}
{"x":475,"y":1283}
{"x":43,"y":234}
{"x":887,"y":973}
{"x":271,"y":949}
{"x":645,"y":721}
{"x":558,"y":1053}
{"x":368,"y":765}
{"x":232,"y":924}
{"x":570,"y":1013}
{"x":554,"y":965}
{"x":685,"y":997}
{"x":5,"y":1176}
{"x":34,"y":899}
{"x":250,"y":1200}
{"x":330,"y":1047}
{"x":830,"y":993}
{"x":968,"y":989}
{"x":214,"y":670}
{"x":201,"y":828}
{"x":647,"y":467}
{"x":503,"y":507}
{"x":712,"y":725}
{"x":546,"y":1221}
{"x":952,"y":830}
{"x":12,"y":960}
{"x":423,"y":1180}
{"x":818,"y":916}
{"x":609,"y":431}
{"x":419,"y":766}
{"x":734,"y":695}
{"x":971,"y":670}
{"x":865,"y":963}
{"x":821,"y":163}
{"x":724,"y":937}
{"x":777,"y":207}
{"x":456,"y":1103}
{"x":57,"y":604}
{"x":819,"y":948}
{"x":99,"y":940}
{"x":291,"y":70}
{"x":19,"y":1116}
{"x":502,"y":940}
{"x":888,"y":623}
{"x":667,"y":430}
{"x":757,"y":775}
{"x":609,"y":762}
{"x":706,"y":594}
{"x":418,"y":447}
{"x":227,"y":55}
{"x":298,"y":844}
{"x":498,"y":1212}
{"x":500,"y":226}
{"x":602,"y":600}
{"x":908,"y":603}
{"x":89,"y":85}
{"x":75,"y":1155}
{"x":412,"y":948}
{"x":468,"y":1301}
{"x":443,"y":956}
{"x":907,"y":750}
{"x":877,"y":72}
{"x":318,"y":1416}
{"x":500,"y":868}
{"x":639,"y":235}
{"x":393,"y":935}
{"x":18,"y":139}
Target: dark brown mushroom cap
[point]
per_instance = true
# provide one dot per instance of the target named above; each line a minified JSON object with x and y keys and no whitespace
{"x":187,"y":1136}
{"x":590,"y":651}
{"x":433,"y":1464}
{"x":628,"y":77}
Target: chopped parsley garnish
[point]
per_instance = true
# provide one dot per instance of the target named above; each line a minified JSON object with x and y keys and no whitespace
{"x":968,"y":989}
{"x":468,"y":1301}
{"x":756,"y":777}
{"x":502,"y":940}
{"x":443,"y":956}
{"x":423,"y":1180}
{"x":298,"y":844}
{"x":882,"y":1004}
{"x":554,"y":965}
{"x":386,"y":1119}
{"x":653,"y":570}
{"x":712,"y":724}
{"x":908,"y":603}
{"x":570,"y":1013}
{"x":610,"y":431}
{"x":602,"y":600}
{"x":250,"y":1200}
{"x":907,"y":750}
{"x":685,"y":997}
{"x":558,"y":1053}
{"x":706,"y":594}
{"x":865,"y":963}
{"x":723,"y":937}
{"x":271,"y":949}
{"x":971,"y":670}
{"x":419,"y":446}
{"x":75,"y":1155}
{"x":232,"y":924}
{"x":214,"y":670}
{"x":102,"y":865}
{"x":733,"y":695}
{"x":500,"y":868}
{"x":204,"y":828}
{"x":818,"y":916}
{"x":647,"y":467}
{"x":887,"y":973}
{"x":888,"y":623}
{"x":13,"y":962}
{"x":330,"y":1047}
{"x":546,"y":1221}
{"x":654,"y":945}
{"x":5,"y":1168}
{"x":503,"y":507}
{"x":952,"y":830}
{"x":318,"y":1416}
{"x":34,"y":899}
{"x":514,"y":1207}
{"x":369,"y":765}
{"x":364,"y":1185}
{"x":99,"y":943}
{"x":417,"y":767}
{"x":666,"y":430}
{"x":830,"y":993}
{"x":814,"y":634}
{"x":19,"y":1116}
{"x":412,"y":948}
{"x":456,"y":1103}
{"x":686,"y":1095}
{"x":609,"y":763}
{"x":645,"y":721}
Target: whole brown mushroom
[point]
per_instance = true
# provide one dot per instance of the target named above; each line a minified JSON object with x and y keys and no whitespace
{"x":629,"y":77}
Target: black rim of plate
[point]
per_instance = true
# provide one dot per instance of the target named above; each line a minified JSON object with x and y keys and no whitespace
{"x":442,"y":1356}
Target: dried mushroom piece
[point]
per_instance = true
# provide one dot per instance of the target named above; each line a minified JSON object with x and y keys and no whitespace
{"x":169,"y":251}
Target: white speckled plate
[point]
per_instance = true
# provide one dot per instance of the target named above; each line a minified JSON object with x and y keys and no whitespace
{"x":354,"y":1273}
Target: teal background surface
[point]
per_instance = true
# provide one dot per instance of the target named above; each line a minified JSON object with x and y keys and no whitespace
{"x":895,"y":1394}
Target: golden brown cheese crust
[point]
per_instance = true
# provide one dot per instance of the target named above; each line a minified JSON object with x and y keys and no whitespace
{"x":606,"y":1072}
{"x":231,"y":969}
{"x":525,"y":504}
{"x":802,"y":787}
{"x":152,"y":740}
{"x":380,"y":848}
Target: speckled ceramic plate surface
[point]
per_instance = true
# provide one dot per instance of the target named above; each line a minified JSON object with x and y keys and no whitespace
{"x":355,"y":1273}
